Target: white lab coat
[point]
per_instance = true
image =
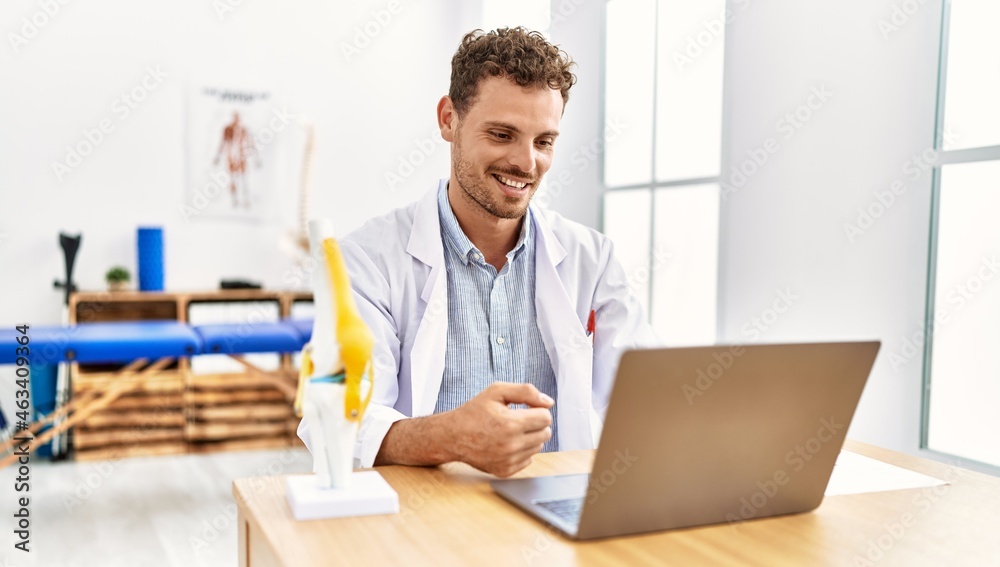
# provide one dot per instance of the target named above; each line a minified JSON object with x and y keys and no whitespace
{"x":397,"y":268}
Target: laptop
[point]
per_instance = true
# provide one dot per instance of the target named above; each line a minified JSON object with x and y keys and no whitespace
{"x":708,"y":435}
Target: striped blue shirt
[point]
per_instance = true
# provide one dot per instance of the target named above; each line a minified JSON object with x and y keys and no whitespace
{"x":493,"y":331}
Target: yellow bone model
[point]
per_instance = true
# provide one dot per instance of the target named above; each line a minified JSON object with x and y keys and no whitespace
{"x":356,"y":341}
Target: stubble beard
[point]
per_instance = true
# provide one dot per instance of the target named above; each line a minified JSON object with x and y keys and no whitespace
{"x":479,"y":191}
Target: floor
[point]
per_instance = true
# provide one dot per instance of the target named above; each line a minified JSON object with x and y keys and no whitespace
{"x":144,"y":511}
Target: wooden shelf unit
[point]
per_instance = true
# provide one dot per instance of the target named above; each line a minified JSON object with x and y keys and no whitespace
{"x":176,"y":411}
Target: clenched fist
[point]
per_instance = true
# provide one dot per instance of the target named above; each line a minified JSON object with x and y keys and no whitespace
{"x":492,"y":437}
{"x":485,"y":432}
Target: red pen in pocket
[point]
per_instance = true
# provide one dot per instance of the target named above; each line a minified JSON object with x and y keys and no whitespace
{"x":591,"y":326}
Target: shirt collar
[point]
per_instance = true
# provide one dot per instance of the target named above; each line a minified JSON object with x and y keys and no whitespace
{"x":460,"y":243}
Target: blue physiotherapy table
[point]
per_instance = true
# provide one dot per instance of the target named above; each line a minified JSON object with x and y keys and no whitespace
{"x":134,"y":343}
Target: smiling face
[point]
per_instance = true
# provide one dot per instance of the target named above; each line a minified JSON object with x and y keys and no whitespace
{"x":503,"y":145}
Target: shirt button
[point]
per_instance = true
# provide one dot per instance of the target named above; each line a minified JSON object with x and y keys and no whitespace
{"x":499,"y":340}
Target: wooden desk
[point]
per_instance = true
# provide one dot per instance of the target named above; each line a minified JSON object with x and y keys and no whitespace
{"x":449,"y":516}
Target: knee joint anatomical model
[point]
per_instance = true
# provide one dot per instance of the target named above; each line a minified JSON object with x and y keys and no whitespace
{"x":333,"y":393}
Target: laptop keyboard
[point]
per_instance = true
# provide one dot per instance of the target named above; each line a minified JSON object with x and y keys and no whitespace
{"x":567,"y":509}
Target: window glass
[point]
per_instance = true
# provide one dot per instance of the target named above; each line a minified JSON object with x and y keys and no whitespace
{"x":626,"y":223}
{"x":689,"y":93}
{"x":963,"y":418}
{"x":972,"y":113}
{"x":685,"y":264}
{"x":628,"y":91}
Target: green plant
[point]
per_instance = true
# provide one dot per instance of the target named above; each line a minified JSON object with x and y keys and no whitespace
{"x":117,"y":274}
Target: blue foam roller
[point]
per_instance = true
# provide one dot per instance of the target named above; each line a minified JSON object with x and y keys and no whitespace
{"x":149,"y":242}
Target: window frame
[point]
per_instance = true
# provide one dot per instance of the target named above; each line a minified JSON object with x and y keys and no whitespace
{"x":653,"y":185}
{"x":945,"y":157}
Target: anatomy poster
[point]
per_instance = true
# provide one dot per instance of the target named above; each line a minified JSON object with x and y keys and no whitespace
{"x":237,"y":153}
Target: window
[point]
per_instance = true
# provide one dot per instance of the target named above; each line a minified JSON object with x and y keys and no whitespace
{"x":961,"y":370}
{"x":663,"y":142}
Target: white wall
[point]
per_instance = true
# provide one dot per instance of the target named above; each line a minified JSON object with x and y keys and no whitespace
{"x":370,"y":111}
{"x":784,"y":228}
{"x":374,"y":112}
{"x":373,"y":107}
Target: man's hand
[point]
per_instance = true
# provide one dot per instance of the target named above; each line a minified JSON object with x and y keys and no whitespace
{"x":484,"y":432}
{"x":494,"y":438}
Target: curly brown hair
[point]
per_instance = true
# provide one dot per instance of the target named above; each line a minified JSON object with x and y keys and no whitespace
{"x":522,"y":56}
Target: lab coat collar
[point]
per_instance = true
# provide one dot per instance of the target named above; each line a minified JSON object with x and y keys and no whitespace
{"x":456,"y":239}
{"x":428,"y":352}
{"x":554,"y":250}
{"x":425,"y":238}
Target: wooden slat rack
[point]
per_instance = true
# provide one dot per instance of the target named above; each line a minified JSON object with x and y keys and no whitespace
{"x":174,"y":410}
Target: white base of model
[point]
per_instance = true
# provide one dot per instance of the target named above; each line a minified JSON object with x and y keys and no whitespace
{"x":369,"y":494}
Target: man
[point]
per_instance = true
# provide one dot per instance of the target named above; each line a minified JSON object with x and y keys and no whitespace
{"x":479,"y":302}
